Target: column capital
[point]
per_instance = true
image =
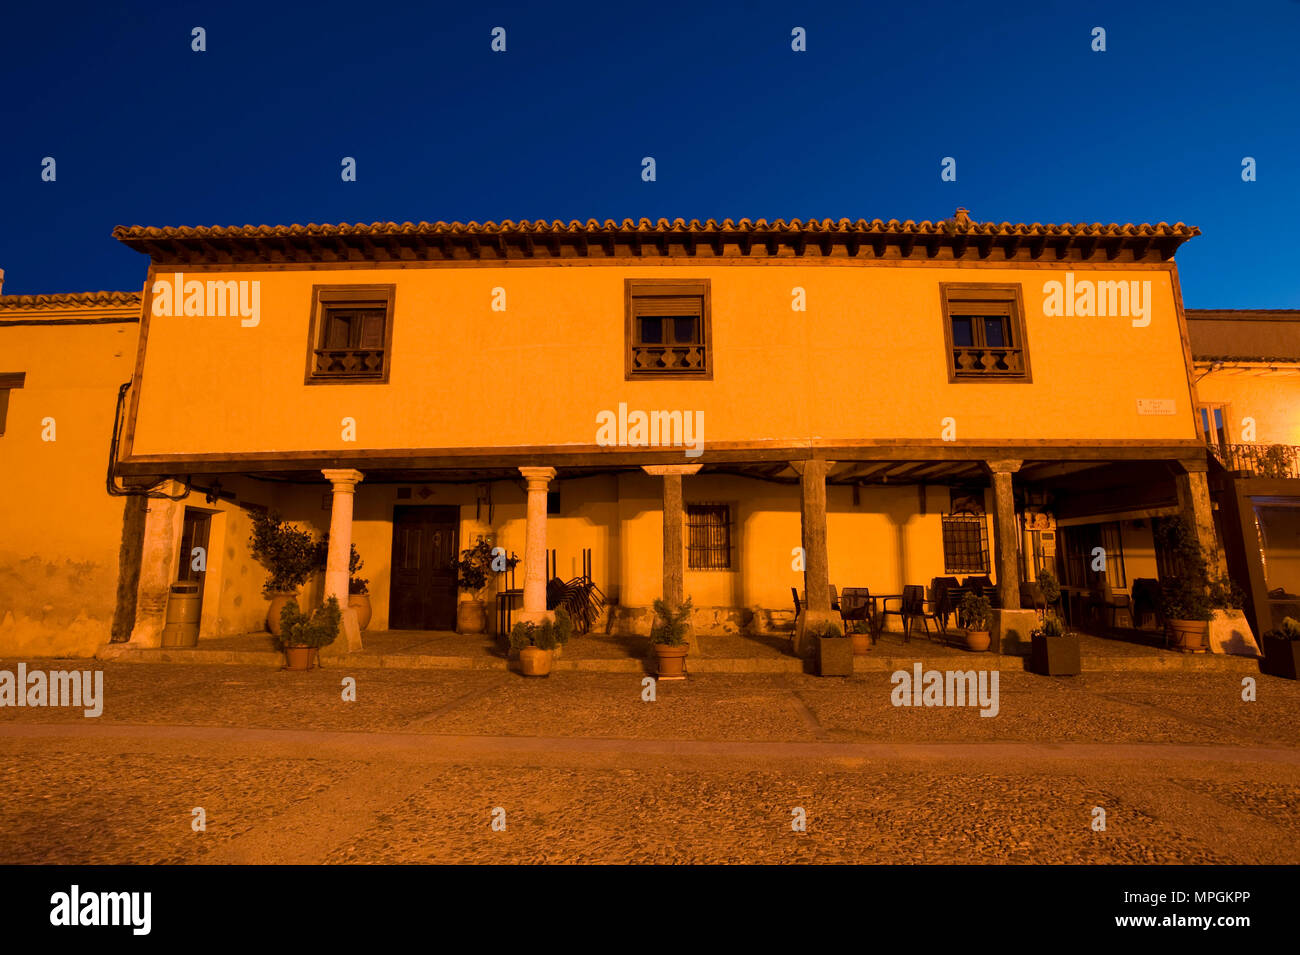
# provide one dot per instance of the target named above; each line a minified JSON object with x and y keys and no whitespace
{"x":798,"y":466}
{"x":343,"y":479}
{"x":1191,"y":465}
{"x":659,"y":470}
{"x":1003,"y":465}
{"x":538,"y":478}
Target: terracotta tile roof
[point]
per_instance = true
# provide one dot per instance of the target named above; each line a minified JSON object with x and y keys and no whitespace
{"x":958,"y":236}
{"x":67,"y":300}
{"x":959,"y":224}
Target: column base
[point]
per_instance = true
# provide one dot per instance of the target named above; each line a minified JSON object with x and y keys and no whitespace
{"x":349,"y":638}
{"x":1011,"y":629}
{"x":807,"y":619}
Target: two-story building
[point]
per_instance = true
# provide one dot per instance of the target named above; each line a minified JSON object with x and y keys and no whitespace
{"x":1247,"y":377}
{"x":725,"y":411}
{"x":63,"y":359}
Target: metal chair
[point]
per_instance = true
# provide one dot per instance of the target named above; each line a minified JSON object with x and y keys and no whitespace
{"x":856,"y":603}
{"x":939,"y":587}
{"x":912,"y":604}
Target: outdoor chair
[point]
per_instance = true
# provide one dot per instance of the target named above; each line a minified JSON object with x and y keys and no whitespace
{"x":947,"y":606}
{"x":977,"y":582}
{"x":1031,"y":596}
{"x":911,"y":605}
{"x":801,"y":600}
{"x":1107,"y":604}
{"x":857,"y":604}
{"x":939,"y":586}
{"x":1145,"y":602}
{"x":994,"y":595}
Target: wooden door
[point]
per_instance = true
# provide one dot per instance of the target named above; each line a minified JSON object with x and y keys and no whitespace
{"x":423,"y":595}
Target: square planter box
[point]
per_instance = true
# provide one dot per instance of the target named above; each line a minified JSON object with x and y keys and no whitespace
{"x":1281,"y":657}
{"x":1054,"y":656}
{"x":834,"y":656}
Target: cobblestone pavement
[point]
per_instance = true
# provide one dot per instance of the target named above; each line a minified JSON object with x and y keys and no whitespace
{"x":714,"y":770}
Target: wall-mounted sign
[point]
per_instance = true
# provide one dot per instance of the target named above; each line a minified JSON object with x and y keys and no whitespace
{"x":1156,"y":406}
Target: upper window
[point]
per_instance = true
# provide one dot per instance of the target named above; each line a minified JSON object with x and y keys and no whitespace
{"x":668,"y":333}
{"x":985,"y":333}
{"x":8,"y":381}
{"x":351,"y":333}
{"x":1214,"y":426}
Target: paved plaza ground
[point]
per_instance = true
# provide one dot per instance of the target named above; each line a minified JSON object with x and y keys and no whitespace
{"x":714,"y":770}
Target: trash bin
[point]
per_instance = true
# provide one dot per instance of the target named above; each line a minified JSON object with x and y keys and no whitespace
{"x":182,"y":628}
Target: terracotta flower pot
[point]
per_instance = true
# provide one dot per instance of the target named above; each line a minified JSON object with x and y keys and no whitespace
{"x":535,"y":661}
{"x":360,"y":604}
{"x":672,"y":661}
{"x":471,"y":616}
{"x":977,"y":640}
{"x":299,"y":658}
{"x":1188,"y":635}
{"x":861,"y":644}
{"x":278,"y":600}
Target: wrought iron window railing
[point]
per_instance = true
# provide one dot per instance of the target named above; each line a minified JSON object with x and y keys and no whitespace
{"x":1261,"y":460}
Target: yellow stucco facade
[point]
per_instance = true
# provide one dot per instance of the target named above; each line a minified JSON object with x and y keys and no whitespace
{"x":831,"y":349}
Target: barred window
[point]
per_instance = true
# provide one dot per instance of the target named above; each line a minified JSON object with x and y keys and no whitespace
{"x":965,"y":544}
{"x":708,"y":536}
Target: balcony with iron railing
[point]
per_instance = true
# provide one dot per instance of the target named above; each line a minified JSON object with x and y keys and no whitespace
{"x":1260,"y":460}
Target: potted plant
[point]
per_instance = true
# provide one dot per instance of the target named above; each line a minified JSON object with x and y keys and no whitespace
{"x":1052,"y":651}
{"x":472,"y":574}
{"x":834,"y":650}
{"x":535,"y":644}
{"x":1050,"y":588}
{"x":1282,"y":650}
{"x":301,"y":636}
{"x":1184,"y":593}
{"x":668,"y":634}
{"x":563,"y":630}
{"x":973,"y":615}
{"x":290,"y":556}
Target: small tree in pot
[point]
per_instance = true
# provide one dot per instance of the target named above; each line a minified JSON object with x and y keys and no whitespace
{"x":472,"y":574}
{"x":536,"y":644}
{"x":1282,"y":650}
{"x":668,"y":634}
{"x":1184,"y":592}
{"x":301,"y":636}
{"x":973,"y":615}
{"x":290,"y":556}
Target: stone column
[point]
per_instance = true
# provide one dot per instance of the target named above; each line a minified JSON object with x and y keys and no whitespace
{"x":162,"y":528}
{"x":539,"y":479}
{"x":1011,"y":626}
{"x":1004,"y":531}
{"x":1196,"y":509}
{"x":345,"y":481}
{"x":816,"y":573}
{"x":673,"y":587}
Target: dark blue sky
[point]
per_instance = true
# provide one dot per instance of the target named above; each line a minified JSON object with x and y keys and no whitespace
{"x":145,"y":131}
